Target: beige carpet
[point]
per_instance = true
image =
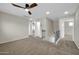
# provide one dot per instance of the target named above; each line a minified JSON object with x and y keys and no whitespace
{"x":36,"y":46}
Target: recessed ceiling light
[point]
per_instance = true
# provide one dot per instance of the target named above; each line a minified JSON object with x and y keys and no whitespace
{"x":26,"y":10}
{"x":47,"y":13}
{"x":71,"y":24}
{"x":66,"y":12}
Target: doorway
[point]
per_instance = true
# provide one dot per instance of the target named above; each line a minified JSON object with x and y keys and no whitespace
{"x":68,"y":30}
{"x":35,"y":28}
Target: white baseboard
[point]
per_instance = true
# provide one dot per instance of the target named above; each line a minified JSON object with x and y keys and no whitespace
{"x":20,"y":38}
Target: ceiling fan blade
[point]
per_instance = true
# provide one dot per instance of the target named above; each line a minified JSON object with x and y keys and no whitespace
{"x":29,"y":12}
{"x":17,"y":5}
{"x":33,"y":5}
{"x":26,"y":5}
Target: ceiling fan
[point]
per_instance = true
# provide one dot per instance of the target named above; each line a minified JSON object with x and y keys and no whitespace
{"x":27,"y":7}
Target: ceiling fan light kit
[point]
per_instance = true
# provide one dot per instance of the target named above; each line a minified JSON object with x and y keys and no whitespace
{"x":27,"y":7}
{"x":26,"y":10}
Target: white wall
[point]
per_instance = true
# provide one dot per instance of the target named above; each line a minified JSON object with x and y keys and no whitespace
{"x":50,"y":27}
{"x":56,"y":25}
{"x":61,"y":28}
{"x":43,"y":22}
{"x":68,"y":29}
{"x":12,"y":27}
{"x":64,"y":26}
{"x":76,"y":28}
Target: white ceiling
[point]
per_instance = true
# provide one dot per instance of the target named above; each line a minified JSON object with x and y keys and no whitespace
{"x":56,"y":9}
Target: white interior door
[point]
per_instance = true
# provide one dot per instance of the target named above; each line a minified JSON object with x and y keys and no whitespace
{"x":38,"y":29}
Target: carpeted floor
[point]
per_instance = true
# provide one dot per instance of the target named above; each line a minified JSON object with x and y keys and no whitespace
{"x":36,"y":46}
